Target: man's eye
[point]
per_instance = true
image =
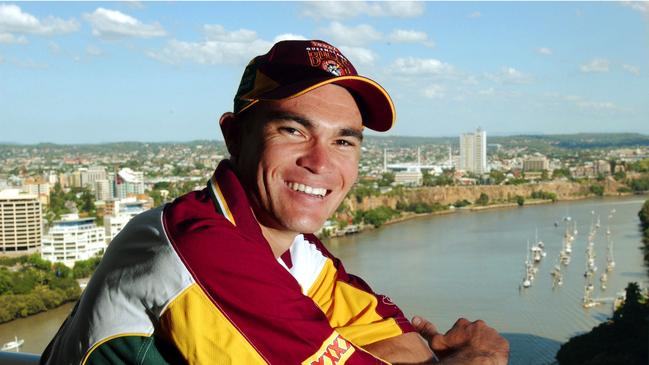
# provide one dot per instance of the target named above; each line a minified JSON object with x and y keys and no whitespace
{"x":344,"y":143}
{"x":290,"y":130}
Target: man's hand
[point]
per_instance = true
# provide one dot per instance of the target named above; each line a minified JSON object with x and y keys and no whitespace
{"x":465,"y":343}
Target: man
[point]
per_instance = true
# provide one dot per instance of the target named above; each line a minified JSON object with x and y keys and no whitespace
{"x":233,"y":273}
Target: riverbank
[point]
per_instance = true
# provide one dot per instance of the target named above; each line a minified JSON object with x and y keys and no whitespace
{"x":405,"y":216}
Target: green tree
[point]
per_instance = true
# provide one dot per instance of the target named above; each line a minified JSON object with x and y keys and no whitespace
{"x":643,"y":214}
{"x":86,"y":203}
{"x":597,"y":189}
{"x":483,"y":199}
{"x":387,"y":178}
{"x":619,"y":176}
{"x":496,"y":177}
{"x":562,"y":172}
{"x":520,"y":200}
{"x":619,"y":341}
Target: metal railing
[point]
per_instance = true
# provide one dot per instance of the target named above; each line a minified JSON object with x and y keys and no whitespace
{"x":18,"y":358}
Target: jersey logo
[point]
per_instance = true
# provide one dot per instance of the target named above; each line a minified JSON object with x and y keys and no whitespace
{"x":334,"y":351}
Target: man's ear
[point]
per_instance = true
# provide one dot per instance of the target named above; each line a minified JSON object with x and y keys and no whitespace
{"x":231,"y":130}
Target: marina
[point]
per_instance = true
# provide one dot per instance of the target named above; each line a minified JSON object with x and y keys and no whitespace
{"x":473,"y":265}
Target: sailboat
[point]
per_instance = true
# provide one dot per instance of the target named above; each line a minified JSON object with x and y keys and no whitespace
{"x":13,"y":345}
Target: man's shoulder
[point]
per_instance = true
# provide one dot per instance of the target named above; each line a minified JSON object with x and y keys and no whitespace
{"x":191,"y":212}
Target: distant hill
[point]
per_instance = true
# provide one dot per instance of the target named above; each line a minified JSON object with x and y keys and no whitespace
{"x":541,"y":141}
{"x":564,"y":141}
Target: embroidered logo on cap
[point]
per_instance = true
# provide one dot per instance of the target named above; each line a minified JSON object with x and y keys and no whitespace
{"x":328,"y":58}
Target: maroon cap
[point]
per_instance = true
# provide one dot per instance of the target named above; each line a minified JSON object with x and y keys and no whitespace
{"x":292,"y":68}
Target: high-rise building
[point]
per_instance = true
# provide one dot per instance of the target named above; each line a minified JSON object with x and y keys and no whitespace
{"x":102,"y":190}
{"x":72,"y":239}
{"x":128,"y":182}
{"x":92,"y":175}
{"x":38,"y":187}
{"x":473,"y":152}
{"x":21,"y":222}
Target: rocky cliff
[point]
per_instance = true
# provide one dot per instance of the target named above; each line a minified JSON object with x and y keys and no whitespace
{"x":565,"y":190}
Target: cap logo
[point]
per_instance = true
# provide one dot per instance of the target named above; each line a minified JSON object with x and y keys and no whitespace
{"x":329,"y":59}
{"x":332,"y":67}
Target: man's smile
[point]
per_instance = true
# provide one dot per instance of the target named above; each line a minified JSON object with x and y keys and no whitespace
{"x":311,"y":190}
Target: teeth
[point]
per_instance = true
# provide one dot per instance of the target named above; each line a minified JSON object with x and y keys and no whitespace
{"x":307,"y":189}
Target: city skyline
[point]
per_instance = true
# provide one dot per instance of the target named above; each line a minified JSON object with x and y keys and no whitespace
{"x":151,"y":72}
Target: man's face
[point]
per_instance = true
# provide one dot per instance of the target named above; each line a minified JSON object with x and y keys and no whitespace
{"x":300,"y":157}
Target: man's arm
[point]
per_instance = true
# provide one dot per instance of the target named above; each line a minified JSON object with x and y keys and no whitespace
{"x":466,"y":342}
{"x":408,"y":348}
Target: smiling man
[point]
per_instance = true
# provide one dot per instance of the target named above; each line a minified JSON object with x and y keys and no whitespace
{"x":232,"y":274}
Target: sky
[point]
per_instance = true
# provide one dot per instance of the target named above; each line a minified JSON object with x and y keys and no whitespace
{"x":84,"y":72}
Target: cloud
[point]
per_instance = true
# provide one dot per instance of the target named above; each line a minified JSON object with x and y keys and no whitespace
{"x":488,"y":92}
{"x":359,"y":55}
{"x":509,"y":75}
{"x":14,"y":20}
{"x":133,"y":4}
{"x":595,"y":65}
{"x":421,"y":67}
{"x":410,"y":36}
{"x":544,"y":51}
{"x":215,"y":32}
{"x":94,"y":51}
{"x":351,"y":36}
{"x":210,"y":52}
{"x":592,"y":105}
{"x":586,"y":104}
{"x":288,"y":37}
{"x":631,"y":69}
{"x":345,"y":10}
{"x":641,"y":6}
{"x":8,"y":38}
{"x":54,"y":48}
{"x":475,"y":14}
{"x":112,"y":24}
{"x":434,"y":92}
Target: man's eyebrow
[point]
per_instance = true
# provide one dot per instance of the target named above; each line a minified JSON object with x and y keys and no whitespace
{"x":280,"y":115}
{"x":344,"y":132}
{"x":351,"y":132}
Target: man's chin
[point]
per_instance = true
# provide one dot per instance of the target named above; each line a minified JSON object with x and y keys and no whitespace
{"x":310,"y":226}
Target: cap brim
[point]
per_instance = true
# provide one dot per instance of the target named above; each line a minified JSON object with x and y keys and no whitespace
{"x":374,"y":102}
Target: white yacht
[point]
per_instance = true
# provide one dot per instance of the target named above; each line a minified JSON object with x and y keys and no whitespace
{"x":13,"y":345}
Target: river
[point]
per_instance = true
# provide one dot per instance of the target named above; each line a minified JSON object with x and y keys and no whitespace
{"x":470,"y":264}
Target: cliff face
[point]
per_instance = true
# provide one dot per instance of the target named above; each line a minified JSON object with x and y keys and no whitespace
{"x":565,"y":190}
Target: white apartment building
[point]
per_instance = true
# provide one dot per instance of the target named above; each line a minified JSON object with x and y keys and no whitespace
{"x":21,"y":222}
{"x":119,"y":212}
{"x":114,"y":224}
{"x":473,"y":152}
{"x":72,"y":239}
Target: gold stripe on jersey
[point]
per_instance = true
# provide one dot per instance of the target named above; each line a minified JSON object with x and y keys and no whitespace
{"x":223,"y":205}
{"x":203,"y":334}
{"x":351,"y":311}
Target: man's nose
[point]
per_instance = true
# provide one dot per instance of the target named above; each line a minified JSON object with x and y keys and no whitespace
{"x":316,"y":158}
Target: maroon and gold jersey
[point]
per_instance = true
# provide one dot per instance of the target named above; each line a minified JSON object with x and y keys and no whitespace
{"x":196,"y":282}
